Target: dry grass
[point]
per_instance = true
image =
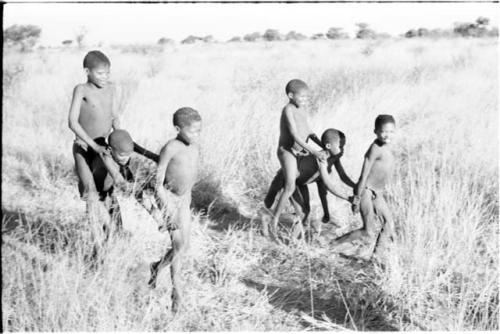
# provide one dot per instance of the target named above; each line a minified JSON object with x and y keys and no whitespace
{"x":441,"y":273}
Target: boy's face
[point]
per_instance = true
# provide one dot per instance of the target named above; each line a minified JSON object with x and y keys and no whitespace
{"x":334,"y":148}
{"x":120,"y":157}
{"x":98,"y":75}
{"x":385,"y":132}
{"x":190,"y":133}
{"x":301,"y":97}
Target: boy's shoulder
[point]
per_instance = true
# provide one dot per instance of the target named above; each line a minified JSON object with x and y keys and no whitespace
{"x":289,"y":107}
{"x":173,"y":145}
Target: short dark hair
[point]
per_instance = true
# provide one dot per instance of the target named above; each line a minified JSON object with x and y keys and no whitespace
{"x":186,"y":116}
{"x":383,"y":119}
{"x":333,"y":135}
{"x":121,"y":141}
{"x":95,"y":58}
{"x":293,"y":86}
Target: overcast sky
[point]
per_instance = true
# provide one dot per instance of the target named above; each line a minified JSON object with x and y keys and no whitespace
{"x":146,"y":23}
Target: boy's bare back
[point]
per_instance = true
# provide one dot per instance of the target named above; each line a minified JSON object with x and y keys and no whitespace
{"x":96,"y":109}
{"x":381,"y":169}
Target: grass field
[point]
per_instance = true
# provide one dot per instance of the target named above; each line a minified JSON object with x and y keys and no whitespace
{"x":441,"y":273}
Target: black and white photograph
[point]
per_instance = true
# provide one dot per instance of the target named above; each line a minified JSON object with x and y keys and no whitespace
{"x":250,"y":166}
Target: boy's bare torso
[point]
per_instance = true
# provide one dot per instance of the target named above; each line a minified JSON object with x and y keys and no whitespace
{"x":382,"y":167}
{"x":96,"y":111}
{"x":302,"y":124}
{"x":182,"y":169}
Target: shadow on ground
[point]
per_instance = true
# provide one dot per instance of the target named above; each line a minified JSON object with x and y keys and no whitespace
{"x":293,"y":297}
{"x":223,"y":213}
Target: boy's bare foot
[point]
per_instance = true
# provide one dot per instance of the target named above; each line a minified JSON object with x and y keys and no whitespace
{"x":265,"y":217}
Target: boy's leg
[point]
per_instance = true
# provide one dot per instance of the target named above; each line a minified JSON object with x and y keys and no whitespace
{"x":86,"y":184}
{"x":95,"y":209}
{"x":276,"y":185}
{"x":322,"y":192}
{"x":180,"y":244}
{"x":386,"y":223}
{"x":300,"y":201}
{"x":289,"y":167}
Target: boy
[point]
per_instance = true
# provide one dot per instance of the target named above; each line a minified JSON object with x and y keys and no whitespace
{"x":368,"y":194}
{"x":111,"y":171}
{"x":334,"y":142}
{"x":294,"y":131}
{"x":91,"y":118}
{"x":176,"y":175}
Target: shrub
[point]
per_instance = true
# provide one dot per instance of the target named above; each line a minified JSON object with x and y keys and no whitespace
{"x":24,"y":36}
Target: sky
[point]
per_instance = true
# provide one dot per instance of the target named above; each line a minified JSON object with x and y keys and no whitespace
{"x":110,"y":23}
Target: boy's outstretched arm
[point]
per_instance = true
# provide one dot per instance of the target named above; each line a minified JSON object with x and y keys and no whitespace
{"x":325,"y":177}
{"x":74,"y":125}
{"x":116,"y":119}
{"x":166,"y":154}
{"x":144,"y":152}
{"x":315,"y":139}
{"x":343,"y":176}
{"x":293,"y":131}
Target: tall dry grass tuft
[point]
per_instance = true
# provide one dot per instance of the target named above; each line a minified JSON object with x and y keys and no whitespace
{"x":441,"y":273}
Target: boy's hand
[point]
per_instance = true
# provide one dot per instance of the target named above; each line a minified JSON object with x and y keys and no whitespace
{"x":102,"y":150}
{"x":320,"y":156}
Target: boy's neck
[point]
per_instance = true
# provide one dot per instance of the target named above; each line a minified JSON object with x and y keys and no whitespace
{"x":182,"y":140}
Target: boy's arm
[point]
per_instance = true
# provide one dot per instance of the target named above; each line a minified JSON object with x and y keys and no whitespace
{"x":113,"y":170}
{"x":325,"y":177}
{"x":322,"y":192}
{"x":343,"y":176}
{"x":293,"y":131}
{"x":371,"y":155}
{"x":166,"y":154}
{"x":74,"y":125}
{"x":148,"y":154}
{"x":116,"y":118}
{"x":315,"y":139}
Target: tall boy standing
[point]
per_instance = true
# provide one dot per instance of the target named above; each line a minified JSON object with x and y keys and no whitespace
{"x":294,"y":132}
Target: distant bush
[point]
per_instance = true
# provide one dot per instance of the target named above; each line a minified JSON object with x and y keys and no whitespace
{"x":252,"y":37}
{"x":235,"y":39}
{"x":80,"y":35}
{"x":67,"y":42}
{"x":296,"y":36}
{"x":208,"y":39}
{"x":165,"y":41}
{"x":191,"y":39}
{"x":24,"y":36}
{"x":336,"y":33}
{"x":420,"y":32}
{"x":318,"y":36}
{"x":271,"y":35}
{"x":476,"y":29}
{"x":364,"y":32}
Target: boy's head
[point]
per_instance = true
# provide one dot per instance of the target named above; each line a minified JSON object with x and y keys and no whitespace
{"x":121,"y":145}
{"x":298,"y":92}
{"x":188,"y":122}
{"x":385,"y":125}
{"x":96,"y":66}
{"x":334,"y":141}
